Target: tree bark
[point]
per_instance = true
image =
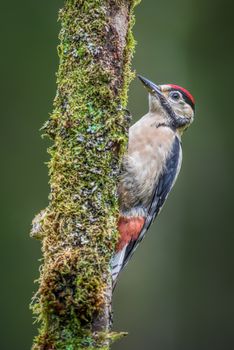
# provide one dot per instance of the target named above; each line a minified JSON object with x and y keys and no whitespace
{"x":89,"y":128}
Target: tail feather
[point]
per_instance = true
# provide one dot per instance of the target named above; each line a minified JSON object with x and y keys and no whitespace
{"x":117,"y":264}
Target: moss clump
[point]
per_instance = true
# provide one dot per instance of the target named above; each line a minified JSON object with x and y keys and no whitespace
{"x":88,"y":127}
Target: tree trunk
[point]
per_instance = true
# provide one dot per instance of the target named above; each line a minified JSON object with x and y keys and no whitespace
{"x":89,"y":128}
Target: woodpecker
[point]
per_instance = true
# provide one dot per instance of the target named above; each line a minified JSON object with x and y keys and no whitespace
{"x":151,"y":165}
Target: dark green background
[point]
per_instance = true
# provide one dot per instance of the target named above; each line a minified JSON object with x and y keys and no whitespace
{"x":177,"y":292}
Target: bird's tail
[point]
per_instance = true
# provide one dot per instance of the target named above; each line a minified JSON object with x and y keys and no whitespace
{"x":117,"y":265}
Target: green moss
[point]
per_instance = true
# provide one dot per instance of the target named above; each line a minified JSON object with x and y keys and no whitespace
{"x":88,"y":127}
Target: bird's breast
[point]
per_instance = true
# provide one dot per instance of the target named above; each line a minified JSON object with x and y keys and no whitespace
{"x":143,"y":164}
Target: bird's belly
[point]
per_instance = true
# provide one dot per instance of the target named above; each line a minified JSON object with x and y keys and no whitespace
{"x":142,"y":167}
{"x":144,"y":175}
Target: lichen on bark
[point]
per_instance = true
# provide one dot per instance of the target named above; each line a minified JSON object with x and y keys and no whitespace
{"x":89,"y":128}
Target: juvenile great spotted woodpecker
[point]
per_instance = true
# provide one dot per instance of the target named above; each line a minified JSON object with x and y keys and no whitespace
{"x":150,"y":166}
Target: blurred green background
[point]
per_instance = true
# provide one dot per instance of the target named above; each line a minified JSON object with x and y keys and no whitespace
{"x":177,"y":293}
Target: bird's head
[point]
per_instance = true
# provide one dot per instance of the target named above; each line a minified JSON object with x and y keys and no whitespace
{"x":174,"y":104}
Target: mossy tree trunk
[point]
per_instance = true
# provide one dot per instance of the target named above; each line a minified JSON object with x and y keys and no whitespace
{"x":89,"y":128}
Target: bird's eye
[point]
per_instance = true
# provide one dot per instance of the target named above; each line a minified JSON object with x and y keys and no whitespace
{"x":175,"y":95}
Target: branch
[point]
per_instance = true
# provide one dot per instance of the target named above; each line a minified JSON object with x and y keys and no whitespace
{"x":89,"y":129}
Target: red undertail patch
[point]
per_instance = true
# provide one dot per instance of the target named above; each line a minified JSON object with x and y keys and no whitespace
{"x":129,"y":229}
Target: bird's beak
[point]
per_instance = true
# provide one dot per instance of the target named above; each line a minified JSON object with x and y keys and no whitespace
{"x":155,"y":90}
{"x":151,"y":87}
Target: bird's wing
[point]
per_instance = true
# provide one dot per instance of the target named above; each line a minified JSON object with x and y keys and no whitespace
{"x":161,"y":191}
